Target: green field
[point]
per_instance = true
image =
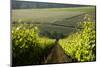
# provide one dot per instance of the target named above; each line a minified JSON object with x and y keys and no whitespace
{"x":49,"y":15}
{"x":45,"y":18}
{"x":35,"y":32}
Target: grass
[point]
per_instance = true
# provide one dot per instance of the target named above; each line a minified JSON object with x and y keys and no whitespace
{"x":42,"y":16}
{"x":48,"y":15}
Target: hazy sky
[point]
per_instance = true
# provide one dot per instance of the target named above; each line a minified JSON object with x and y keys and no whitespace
{"x":87,"y":2}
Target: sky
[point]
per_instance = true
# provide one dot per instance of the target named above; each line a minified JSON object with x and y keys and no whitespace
{"x":85,"y":2}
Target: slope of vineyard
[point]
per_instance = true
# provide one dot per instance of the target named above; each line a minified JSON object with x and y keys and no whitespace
{"x":28,"y":47}
{"x":41,"y":36}
{"x":81,"y":45}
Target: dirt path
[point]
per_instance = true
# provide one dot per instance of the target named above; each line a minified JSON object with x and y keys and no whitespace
{"x":57,"y":55}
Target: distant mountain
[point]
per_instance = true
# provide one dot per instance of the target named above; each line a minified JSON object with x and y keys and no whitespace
{"x":33,"y":4}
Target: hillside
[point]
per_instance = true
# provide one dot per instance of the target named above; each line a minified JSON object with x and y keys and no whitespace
{"x":34,"y":4}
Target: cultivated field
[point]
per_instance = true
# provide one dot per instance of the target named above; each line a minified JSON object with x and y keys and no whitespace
{"x":49,"y":15}
{"x":54,"y":35}
{"x":50,"y":19}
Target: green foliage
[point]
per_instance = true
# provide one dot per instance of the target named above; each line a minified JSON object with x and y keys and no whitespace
{"x":27,"y":46}
{"x":81,"y":45}
{"x":46,"y":19}
{"x":31,"y":48}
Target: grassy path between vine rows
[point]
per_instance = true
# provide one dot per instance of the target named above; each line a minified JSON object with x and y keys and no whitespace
{"x":57,"y":55}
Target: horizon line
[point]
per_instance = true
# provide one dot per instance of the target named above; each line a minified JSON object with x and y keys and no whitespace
{"x":56,"y":2}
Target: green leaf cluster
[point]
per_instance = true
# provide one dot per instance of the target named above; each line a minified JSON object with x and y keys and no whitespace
{"x":28,"y":47}
{"x":82,"y":44}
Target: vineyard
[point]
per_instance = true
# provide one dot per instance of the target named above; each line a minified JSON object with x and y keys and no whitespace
{"x":28,"y":45}
{"x":72,"y":38}
{"x":81,"y":45}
